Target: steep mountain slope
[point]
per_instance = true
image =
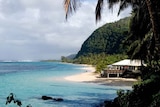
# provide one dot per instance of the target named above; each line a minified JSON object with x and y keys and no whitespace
{"x":107,"y":39}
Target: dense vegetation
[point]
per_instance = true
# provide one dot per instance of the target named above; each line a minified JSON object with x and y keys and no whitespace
{"x":100,"y":61}
{"x":104,"y":46}
{"x":145,"y":93}
{"x":106,"y":39}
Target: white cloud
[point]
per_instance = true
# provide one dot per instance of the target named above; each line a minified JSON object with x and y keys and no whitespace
{"x":37,"y":29}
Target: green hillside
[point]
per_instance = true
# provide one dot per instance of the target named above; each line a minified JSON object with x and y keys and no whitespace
{"x":106,"y":39}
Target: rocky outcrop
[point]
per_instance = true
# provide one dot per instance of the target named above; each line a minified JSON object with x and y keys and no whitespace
{"x":46,"y":98}
{"x":50,"y":98}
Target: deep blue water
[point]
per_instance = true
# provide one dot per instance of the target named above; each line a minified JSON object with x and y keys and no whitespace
{"x":31,"y":80}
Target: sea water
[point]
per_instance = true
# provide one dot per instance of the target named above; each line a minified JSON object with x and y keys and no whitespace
{"x":29,"y":81}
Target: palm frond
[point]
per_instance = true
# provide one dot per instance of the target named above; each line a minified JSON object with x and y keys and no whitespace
{"x":136,"y":52}
{"x":112,"y":3}
{"x":99,"y":9}
{"x":123,"y":5}
{"x":70,"y":6}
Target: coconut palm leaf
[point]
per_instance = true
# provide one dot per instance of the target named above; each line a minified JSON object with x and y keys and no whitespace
{"x":70,"y":6}
{"x":123,"y":5}
{"x":111,"y":3}
{"x":99,"y":9}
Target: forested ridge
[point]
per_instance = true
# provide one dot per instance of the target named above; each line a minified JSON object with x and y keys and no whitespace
{"x":104,"y":46}
{"x":106,"y":39}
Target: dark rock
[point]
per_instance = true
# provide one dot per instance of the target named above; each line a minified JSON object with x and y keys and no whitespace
{"x":46,"y":98}
{"x":50,"y":98}
{"x":57,"y":99}
{"x":111,"y":103}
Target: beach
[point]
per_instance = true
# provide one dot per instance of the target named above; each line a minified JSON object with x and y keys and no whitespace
{"x":89,"y":76}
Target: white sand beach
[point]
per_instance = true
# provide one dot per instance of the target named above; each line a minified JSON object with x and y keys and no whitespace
{"x":91,"y":77}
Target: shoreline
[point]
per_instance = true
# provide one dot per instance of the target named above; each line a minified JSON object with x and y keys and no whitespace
{"x":89,"y":76}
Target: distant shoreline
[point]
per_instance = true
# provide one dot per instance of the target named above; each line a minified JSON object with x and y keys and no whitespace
{"x":91,"y":77}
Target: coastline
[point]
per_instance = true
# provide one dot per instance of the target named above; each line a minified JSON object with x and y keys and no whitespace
{"x":89,"y":76}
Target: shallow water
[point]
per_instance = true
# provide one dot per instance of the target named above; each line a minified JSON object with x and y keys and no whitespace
{"x":31,"y":80}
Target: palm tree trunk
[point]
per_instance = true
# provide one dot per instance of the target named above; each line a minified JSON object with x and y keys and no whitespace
{"x":153,"y":12}
{"x":151,"y":4}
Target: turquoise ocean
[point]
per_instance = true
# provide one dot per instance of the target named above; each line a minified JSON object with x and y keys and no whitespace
{"x":29,"y":81}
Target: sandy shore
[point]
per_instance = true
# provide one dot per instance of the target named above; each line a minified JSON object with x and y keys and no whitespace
{"x":91,"y":77}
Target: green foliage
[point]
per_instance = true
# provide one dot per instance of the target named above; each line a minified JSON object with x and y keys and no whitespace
{"x":145,"y":93}
{"x":65,"y":59}
{"x":123,"y":98}
{"x":101,"y":65}
{"x":100,"y":61}
{"x":106,"y":39}
{"x":156,"y":100}
{"x":68,"y":59}
{"x":109,"y":59}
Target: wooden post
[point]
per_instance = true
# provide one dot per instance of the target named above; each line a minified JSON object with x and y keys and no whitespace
{"x":107,"y":75}
{"x":117,"y":74}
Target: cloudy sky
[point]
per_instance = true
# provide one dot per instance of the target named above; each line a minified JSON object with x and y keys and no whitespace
{"x":37,"y":29}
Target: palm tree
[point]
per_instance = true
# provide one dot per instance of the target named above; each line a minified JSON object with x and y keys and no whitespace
{"x":139,"y":37}
{"x":145,"y":23}
{"x":153,"y":9}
